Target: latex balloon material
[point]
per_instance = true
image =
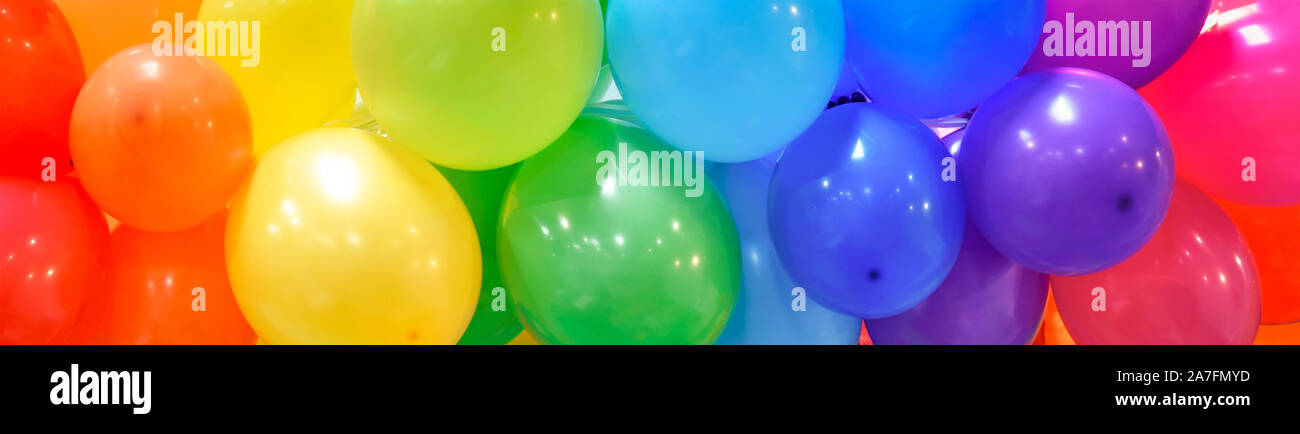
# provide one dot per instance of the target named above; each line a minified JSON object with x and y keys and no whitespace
{"x":736,"y":79}
{"x":1275,"y":241}
{"x":860,"y":212}
{"x":104,"y":28}
{"x":1067,"y":171}
{"x":934,"y":58}
{"x":1278,"y":335}
{"x":1053,"y":329}
{"x":1193,"y":284}
{"x":166,"y":289}
{"x":848,"y":90}
{"x":495,"y":321}
{"x":298,"y":74}
{"x":772,"y":309}
{"x":161,"y":142}
{"x":476,"y":85}
{"x":1230,"y":105}
{"x":38,"y":84}
{"x":1133,"y":41}
{"x":953,"y":140}
{"x":342,"y":237}
{"x":986,"y":300}
{"x":617,"y":261}
{"x":53,"y":243}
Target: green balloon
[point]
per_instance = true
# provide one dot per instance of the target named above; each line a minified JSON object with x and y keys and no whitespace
{"x":611,"y":264}
{"x":494,"y":322}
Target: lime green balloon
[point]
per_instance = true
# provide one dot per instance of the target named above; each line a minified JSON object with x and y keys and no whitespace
{"x":476,"y":84}
{"x":495,"y":322}
{"x":592,"y":263}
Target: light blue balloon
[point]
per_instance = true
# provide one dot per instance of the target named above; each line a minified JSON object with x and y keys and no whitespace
{"x":934,"y":58}
{"x":765,"y":311}
{"x":736,"y":79}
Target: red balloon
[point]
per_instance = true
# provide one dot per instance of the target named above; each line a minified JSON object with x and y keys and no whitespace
{"x":1274,"y":238}
{"x":1230,"y":108}
{"x":1193,"y":283}
{"x":39,"y":81}
{"x":166,"y":288}
{"x":53,"y":243}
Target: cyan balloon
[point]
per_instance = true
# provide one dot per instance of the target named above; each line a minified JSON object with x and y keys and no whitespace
{"x":866,"y":211}
{"x":771,"y":309}
{"x":934,"y":58}
{"x":736,"y":79}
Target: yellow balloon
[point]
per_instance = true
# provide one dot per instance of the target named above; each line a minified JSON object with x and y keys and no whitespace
{"x":342,"y":237}
{"x":299,"y":76}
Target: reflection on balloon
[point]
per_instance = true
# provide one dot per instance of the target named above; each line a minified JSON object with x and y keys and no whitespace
{"x":342,"y":237}
{"x":934,"y":58}
{"x":1194,"y":283}
{"x":1230,"y":105}
{"x":53,"y":244}
{"x":104,"y":28}
{"x":861,"y":214}
{"x":38,"y":85}
{"x":166,"y":289}
{"x":1274,"y":238}
{"x":298,"y":74}
{"x":736,"y":79}
{"x":986,"y":300}
{"x":1067,"y":171}
{"x":622,"y":261}
{"x":772,"y":309}
{"x":474,"y":103}
{"x":161,"y":142}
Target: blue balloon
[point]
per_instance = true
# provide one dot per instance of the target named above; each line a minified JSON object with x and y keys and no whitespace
{"x":736,"y":79}
{"x":866,"y":212}
{"x":934,"y":58}
{"x":771,"y":309}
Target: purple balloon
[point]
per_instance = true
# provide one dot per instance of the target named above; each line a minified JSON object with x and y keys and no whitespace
{"x":986,"y":300}
{"x":1163,"y":31}
{"x":1067,"y":171}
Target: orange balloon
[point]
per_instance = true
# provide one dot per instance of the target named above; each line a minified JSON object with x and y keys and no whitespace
{"x":1053,"y":329}
{"x":166,"y":289}
{"x":160,"y":142}
{"x":1278,"y":335}
{"x":1274,"y":237}
{"x":104,"y":27}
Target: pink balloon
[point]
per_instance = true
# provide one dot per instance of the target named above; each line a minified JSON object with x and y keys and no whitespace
{"x":1194,"y":283}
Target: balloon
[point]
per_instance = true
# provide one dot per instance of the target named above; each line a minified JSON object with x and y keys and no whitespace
{"x":342,"y":237}
{"x":985,"y":300}
{"x":52,"y":253}
{"x":861,"y":213}
{"x":1278,"y":335}
{"x":620,"y":261}
{"x":167,"y":289}
{"x":161,"y":142}
{"x":298,"y":75}
{"x":1133,"y":41}
{"x":735,"y":79}
{"x":953,"y":140}
{"x":848,"y":90}
{"x":1274,"y":238}
{"x":476,"y":85}
{"x":1067,"y":171}
{"x":933,"y":58}
{"x":1194,"y":283}
{"x":38,"y":85}
{"x":104,"y":28}
{"x":495,"y":322}
{"x":1053,"y":329}
{"x":772,"y":309}
{"x":1230,"y":105}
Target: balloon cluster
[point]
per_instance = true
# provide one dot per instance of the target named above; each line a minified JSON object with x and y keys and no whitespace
{"x":641,"y":171}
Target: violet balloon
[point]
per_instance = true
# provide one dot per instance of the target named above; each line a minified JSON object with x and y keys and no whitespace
{"x":1132,"y":40}
{"x":986,"y":300}
{"x":1067,"y":171}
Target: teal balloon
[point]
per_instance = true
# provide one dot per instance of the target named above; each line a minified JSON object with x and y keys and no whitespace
{"x":591,"y":260}
{"x":772,"y":308}
{"x":494,"y":322}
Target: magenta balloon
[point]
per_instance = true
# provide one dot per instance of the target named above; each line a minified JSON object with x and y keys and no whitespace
{"x":1174,"y":24}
